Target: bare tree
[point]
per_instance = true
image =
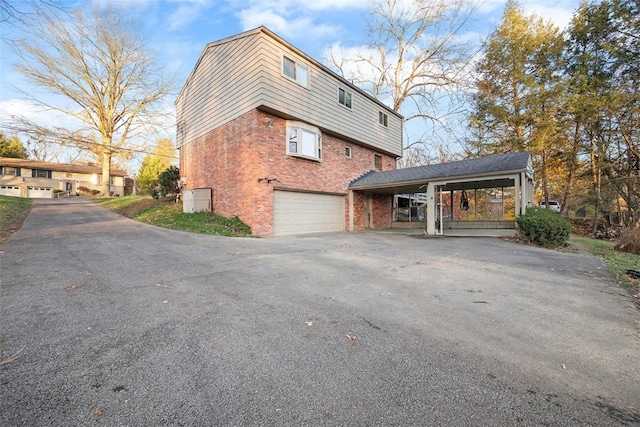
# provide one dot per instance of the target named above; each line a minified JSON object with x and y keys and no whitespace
{"x":100,"y":72}
{"x":415,"y":60}
{"x":18,"y":13}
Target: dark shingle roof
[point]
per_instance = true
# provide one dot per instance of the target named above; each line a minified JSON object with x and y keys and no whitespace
{"x":484,"y":166}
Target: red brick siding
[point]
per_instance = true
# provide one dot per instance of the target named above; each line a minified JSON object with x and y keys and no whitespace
{"x":232,"y":158}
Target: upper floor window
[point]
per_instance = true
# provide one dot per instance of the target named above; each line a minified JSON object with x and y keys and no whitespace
{"x":303,"y":141}
{"x":344,"y":97}
{"x":40,"y":173}
{"x":383,"y":119}
{"x":347,"y":151}
{"x":296,"y":71}
{"x":377,"y":161}
{"x":8,"y":170}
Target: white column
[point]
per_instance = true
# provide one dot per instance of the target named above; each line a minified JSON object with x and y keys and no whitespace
{"x":518,"y":193}
{"x":431,"y":208}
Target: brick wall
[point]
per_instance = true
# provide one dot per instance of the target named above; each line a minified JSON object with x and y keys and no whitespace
{"x":232,"y":158}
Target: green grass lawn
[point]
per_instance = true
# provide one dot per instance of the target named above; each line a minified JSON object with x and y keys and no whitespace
{"x":168,"y":214}
{"x":13,"y":211}
{"x":617,"y":262}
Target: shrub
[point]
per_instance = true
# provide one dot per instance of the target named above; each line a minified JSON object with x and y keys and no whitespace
{"x":543,"y":227}
{"x":168,"y":180}
{"x":629,"y":241}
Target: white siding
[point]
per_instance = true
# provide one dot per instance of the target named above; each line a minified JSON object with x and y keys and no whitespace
{"x":239,"y":74}
{"x":224,"y":85}
{"x":319,"y":105}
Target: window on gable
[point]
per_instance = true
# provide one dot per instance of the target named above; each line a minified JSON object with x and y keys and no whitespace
{"x":40,"y":173}
{"x":383,"y":119}
{"x":377,"y":160}
{"x":303,"y":141}
{"x":296,"y":71}
{"x":344,"y":97}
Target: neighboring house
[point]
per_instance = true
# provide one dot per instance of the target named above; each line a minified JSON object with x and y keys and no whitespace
{"x":278,"y":137}
{"x":28,"y":178}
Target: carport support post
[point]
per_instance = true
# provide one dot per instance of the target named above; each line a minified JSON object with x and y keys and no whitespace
{"x":431,"y":208}
{"x":519,"y":196}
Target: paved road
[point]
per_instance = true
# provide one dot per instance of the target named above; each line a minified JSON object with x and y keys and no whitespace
{"x":128,"y":324}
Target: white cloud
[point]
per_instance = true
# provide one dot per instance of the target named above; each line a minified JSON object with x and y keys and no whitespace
{"x":288,"y":24}
{"x":557,"y":11}
{"x":184,"y":15}
{"x":254,"y":17}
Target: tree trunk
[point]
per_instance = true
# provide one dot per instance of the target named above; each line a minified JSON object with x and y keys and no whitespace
{"x":595,"y":178}
{"x":105,"y":188}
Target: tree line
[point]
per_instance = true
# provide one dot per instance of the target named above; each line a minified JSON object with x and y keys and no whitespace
{"x":572,"y":98}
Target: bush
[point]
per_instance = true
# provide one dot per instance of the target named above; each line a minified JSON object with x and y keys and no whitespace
{"x":168,"y":180}
{"x":543,"y":227}
{"x":629,"y":241}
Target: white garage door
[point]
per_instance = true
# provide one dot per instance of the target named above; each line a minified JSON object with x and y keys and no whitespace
{"x":7,"y":190}
{"x":301,"y":213}
{"x":39,"y":192}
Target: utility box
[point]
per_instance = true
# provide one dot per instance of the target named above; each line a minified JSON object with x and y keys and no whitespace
{"x":196,"y":200}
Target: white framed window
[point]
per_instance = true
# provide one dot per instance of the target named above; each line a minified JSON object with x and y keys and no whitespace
{"x":347,"y":151}
{"x":304,"y":140}
{"x":8,"y":170}
{"x":295,"y":70}
{"x":383,"y":119}
{"x":344,"y":97}
{"x":41,"y":173}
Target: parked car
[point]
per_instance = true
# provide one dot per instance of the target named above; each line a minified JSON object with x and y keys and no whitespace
{"x":553,"y":205}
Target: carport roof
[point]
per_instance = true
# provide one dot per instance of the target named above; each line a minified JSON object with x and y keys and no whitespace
{"x":412,"y":179}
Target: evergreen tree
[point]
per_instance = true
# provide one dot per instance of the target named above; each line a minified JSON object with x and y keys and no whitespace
{"x":12,"y":147}
{"x":519,"y":93}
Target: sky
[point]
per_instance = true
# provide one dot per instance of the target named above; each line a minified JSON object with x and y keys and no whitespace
{"x":180,"y":29}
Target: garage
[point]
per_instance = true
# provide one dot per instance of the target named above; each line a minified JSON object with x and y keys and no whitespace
{"x":301,"y":213}
{"x":8,"y":190}
{"x":39,"y":192}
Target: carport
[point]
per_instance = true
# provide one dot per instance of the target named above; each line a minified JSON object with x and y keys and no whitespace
{"x":482,"y":193}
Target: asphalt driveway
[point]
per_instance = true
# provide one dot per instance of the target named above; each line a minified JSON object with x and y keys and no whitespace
{"x":114,"y":322}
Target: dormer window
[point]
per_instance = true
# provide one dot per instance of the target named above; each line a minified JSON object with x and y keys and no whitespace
{"x":296,"y":71}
